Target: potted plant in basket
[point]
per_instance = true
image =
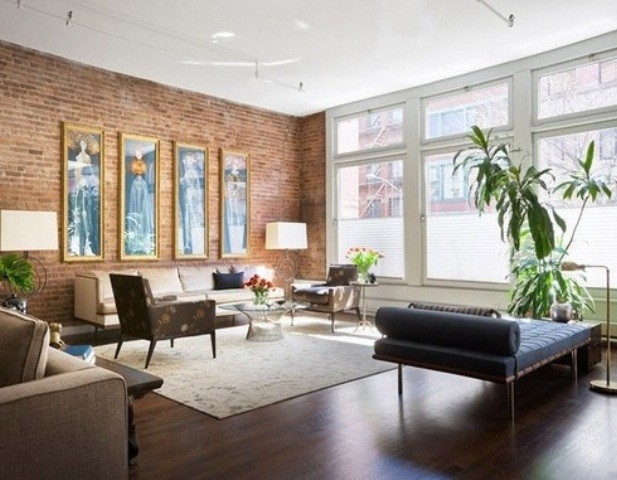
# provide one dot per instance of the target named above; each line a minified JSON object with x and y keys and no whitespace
{"x":538,"y":237}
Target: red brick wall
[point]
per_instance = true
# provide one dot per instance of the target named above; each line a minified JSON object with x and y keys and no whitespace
{"x":39,"y":91}
{"x":313,"y":196}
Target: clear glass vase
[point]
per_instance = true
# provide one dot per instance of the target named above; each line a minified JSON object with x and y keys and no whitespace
{"x":261,"y":297}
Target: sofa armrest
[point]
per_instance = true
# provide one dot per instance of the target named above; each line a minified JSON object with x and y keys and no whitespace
{"x":68,"y":425}
{"x":87,"y":293}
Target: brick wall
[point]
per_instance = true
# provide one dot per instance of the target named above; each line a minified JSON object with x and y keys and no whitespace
{"x":313,"y":195}
{"x":39,"y":91}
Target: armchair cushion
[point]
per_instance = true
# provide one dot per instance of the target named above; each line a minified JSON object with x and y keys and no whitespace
{"x":224,"y":281}
{"x":24,"y":342}
{"x":314,"y":294}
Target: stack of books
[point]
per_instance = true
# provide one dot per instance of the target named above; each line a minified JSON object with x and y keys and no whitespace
{"x":85,"y":352}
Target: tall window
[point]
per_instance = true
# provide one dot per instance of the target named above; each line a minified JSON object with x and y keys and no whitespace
{"x":486,"y":106}
{"x":370,"y":131}
{"x":370,"y":213}
{"x":595,"y":238}
{"x":460,"y":244}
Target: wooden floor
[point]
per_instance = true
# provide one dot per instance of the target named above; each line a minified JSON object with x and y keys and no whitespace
{"x":444,"y":426}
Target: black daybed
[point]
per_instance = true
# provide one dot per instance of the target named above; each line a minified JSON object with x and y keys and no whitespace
{"x":493,"y":349}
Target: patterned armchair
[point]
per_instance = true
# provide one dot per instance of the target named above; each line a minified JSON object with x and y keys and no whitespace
{"x":336,"y":295}
{"x":141,"y":317}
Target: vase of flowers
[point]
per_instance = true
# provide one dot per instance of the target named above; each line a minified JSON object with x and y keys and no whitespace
{"x":260,"y":288}
{"x":364,"y":258}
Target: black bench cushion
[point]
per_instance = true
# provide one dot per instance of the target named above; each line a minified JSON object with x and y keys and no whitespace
{"x":542,"y":339}
{"x":468,"y":332}
{"x":456,"y":360}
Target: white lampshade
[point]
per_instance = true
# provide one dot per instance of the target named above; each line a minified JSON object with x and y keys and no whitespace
{"x":23,"y":231}
{"x":286,"y":236}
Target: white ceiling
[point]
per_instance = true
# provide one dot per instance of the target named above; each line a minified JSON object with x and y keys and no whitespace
{"x":341,"y":50}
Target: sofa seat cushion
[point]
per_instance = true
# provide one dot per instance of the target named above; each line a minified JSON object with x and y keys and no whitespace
{"x":196,"y":278}
{"x":162,"y":280}
{"x":24,"y":343}
{"x":106,"y":307}
{"x":231,"y":295}
{"x":319,"y":295}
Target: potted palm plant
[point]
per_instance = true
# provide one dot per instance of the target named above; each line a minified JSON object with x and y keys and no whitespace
{"x":538,"y":237}
{"x":17,"y":274}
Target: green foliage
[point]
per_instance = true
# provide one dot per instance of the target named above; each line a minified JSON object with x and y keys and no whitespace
{"x":539,"y":283}
{"x":512,"y":189}
{"x":17,"y":272}
{"x":528,"y":224}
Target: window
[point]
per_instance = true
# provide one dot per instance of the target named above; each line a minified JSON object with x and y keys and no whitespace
{"x":370,"y":213}
{"x":595,"y":238}
{"x":370,"y":131}
{"x":578,"y":89}
{"x":487,"y":106}
{"x":460,"y":244}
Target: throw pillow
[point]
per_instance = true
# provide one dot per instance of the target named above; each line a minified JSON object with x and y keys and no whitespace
{"x":225,"y":281}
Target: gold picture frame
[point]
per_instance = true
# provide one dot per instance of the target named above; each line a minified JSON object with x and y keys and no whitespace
{"x":83,"y":183}
{"x":235,"y":196}
{"x":190,"y":201}
{"x":139,"y":198}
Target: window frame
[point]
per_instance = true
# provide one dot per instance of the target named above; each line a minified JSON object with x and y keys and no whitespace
{"x":364,"y":160}
{"x":362,"y":113}
{"x":460,"y":137}
{"x":556,"y":68}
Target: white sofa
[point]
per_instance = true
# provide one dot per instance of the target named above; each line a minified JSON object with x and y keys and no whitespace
{"x":94,"y":300}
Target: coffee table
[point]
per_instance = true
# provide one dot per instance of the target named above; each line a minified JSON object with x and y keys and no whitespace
{"x":138,"y":384}
{"x":264,"y":320}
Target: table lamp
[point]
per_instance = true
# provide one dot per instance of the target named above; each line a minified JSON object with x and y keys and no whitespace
{"x":286,"y":236}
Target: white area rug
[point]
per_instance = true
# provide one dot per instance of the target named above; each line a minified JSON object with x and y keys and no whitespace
{"x":248,"y":375}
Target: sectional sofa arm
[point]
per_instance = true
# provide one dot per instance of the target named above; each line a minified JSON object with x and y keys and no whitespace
{"x":63,"y":424}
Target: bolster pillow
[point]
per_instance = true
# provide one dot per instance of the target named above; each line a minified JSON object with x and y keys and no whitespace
{"x":471,"y":332}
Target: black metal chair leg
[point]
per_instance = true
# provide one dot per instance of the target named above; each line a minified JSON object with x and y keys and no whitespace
{"x":213,"y":341}
{"x":400,"y":378}
{"x":120,"y":341}
{"x":171,"y":340}
{"x":150,"y":352}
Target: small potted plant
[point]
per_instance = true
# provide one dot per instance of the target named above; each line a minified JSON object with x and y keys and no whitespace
{"x":17,"y":274}
{"x":364,"y":258}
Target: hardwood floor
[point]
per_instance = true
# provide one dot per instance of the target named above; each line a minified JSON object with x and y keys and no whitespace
{"x":444,"y":426}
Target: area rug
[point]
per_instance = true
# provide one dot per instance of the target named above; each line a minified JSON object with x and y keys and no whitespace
{"x":247,"y":375}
